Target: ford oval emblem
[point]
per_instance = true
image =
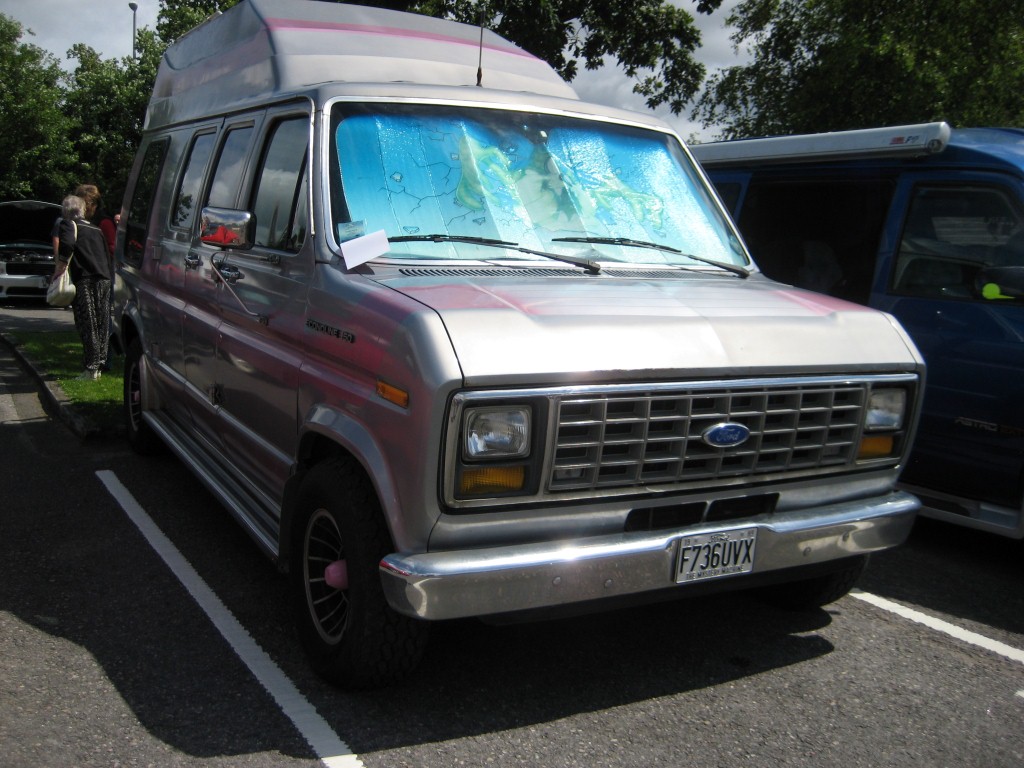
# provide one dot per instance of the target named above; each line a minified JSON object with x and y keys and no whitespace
{"x":728,"y":434}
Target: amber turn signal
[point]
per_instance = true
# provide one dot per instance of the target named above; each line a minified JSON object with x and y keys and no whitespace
{"x":482,"y":480}
{"x":876,"y":447}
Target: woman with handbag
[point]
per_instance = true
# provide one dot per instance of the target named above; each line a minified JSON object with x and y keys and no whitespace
{"x":83,"y":251}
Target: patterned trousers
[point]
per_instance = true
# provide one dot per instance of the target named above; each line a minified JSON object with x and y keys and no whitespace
{"x":92,"y":319}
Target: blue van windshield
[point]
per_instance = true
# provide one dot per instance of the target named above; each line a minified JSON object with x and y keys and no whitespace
{"x":415,"y":170}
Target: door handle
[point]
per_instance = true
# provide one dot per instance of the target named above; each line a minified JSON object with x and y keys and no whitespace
{"x":229,"y":273}
{"x":192,"y":261}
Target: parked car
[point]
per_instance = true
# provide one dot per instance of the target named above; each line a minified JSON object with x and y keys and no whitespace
{"x":26,"y":248}
{"x":450,"y":342}
{"x":927,"y":223}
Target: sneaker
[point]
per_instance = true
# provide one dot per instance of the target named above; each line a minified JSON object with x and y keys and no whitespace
{"x":89,"y":375}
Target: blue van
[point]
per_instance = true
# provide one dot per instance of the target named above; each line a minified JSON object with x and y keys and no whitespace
{"x":926,"y":223}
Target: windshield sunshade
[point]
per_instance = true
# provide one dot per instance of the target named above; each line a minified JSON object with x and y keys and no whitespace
{"x":521,"y":178}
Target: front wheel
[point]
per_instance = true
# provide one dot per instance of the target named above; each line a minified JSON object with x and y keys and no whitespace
{"x":141,"y":438}
{"x":350,"y":634}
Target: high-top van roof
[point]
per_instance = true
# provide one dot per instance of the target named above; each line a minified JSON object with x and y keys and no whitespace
{"x":270,"y":48}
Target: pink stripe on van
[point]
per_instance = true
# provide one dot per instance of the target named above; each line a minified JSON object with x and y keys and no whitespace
{"x":366,"y":29}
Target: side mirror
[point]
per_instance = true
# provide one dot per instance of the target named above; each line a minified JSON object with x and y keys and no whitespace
{"x":1001,"y":283}
{"x":227,"y":228}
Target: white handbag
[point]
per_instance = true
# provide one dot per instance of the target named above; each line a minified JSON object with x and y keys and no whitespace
{"x":61,"y":292}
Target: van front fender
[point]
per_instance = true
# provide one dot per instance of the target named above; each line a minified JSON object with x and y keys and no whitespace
{"x":328,"y":431}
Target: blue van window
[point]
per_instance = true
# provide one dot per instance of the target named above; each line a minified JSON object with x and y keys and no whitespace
{"x":951,"y":235}
{"x":819,"y":233}
{"x":521,"y":178}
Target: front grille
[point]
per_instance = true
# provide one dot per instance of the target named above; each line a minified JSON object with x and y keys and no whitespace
{"x":23,"y":268}
{"x":605,"y":442}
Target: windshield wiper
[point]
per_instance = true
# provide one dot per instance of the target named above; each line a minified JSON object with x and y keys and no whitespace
{"x":452,"y":239}
{"x":734,"y":269}
{"x":579,"y":261}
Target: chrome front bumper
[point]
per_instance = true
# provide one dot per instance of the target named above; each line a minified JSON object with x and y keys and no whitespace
{"x":479,"y":582}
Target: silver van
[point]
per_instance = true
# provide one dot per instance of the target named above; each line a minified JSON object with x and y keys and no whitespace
{"x":449,"y":342}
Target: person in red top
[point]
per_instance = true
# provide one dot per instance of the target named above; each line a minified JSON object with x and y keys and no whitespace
{"x":95,"y":213}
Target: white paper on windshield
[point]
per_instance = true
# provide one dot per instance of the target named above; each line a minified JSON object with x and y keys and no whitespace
{"x":362,"y":249}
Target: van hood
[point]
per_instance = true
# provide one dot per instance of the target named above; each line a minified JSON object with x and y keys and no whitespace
{"x":620,"y":329}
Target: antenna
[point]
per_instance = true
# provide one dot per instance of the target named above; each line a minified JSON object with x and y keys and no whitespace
{"x":480,"y":60}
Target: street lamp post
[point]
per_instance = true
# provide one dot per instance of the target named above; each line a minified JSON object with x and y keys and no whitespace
{"x":135,"y":9}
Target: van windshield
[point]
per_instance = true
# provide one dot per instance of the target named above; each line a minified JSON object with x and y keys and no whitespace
{"x":457,"y":183}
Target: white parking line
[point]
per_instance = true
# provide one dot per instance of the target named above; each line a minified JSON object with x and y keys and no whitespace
{"x":329,"y":748}
{"x":1014,"y":654}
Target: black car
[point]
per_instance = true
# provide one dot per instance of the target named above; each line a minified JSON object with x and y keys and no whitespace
{"x":26,"y":248}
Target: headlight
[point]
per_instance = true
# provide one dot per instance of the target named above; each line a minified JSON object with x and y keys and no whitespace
{"x":883,"y":422}
{"x":496,"y":433}
{"x":886,"y":408}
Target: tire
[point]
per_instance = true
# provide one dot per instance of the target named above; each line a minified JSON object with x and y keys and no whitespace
{"x":811,"y":594}
{"x":351,"y":636}
{"x":141,"y":438}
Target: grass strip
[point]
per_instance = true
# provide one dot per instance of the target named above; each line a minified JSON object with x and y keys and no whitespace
{"x":58,"y":355}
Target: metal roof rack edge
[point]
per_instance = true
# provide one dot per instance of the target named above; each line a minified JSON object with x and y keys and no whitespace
{"x":894,"y":141}
{"x":272,"y":48}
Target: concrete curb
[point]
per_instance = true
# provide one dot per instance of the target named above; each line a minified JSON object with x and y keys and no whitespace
{"x":54,"y":398}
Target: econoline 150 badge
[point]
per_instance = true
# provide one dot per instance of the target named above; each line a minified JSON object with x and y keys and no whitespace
{"x":727,"y":434}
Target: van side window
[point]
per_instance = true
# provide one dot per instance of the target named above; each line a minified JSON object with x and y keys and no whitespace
{"x":280,"y":203}
{"x":819,"y":234}
{"x":951,"y":234}
{"x":230,"y":165}
{"x":187,"y":199}
{"x":137,"y":224}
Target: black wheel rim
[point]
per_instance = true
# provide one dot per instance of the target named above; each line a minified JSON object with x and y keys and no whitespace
{"x":328,"y":607}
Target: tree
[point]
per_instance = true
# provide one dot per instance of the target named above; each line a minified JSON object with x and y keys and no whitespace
{"x":35,"y":151}
{"x":653,"y":40}
{"x":825,"y":65}
{"x":107,"y":102}
{"x":179,"y":16}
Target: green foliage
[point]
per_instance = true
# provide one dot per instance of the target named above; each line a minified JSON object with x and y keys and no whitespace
{"x":179,"y":16}
{"x":107,"y":101}
{"x":58,"y":130}
{"x":35,"y":146}
{"x":825,"y":65}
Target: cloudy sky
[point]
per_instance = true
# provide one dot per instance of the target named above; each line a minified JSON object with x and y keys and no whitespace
{"x":106,"y":26}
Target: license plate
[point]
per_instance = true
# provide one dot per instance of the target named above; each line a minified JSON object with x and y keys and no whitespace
{"x":713,"y":555}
